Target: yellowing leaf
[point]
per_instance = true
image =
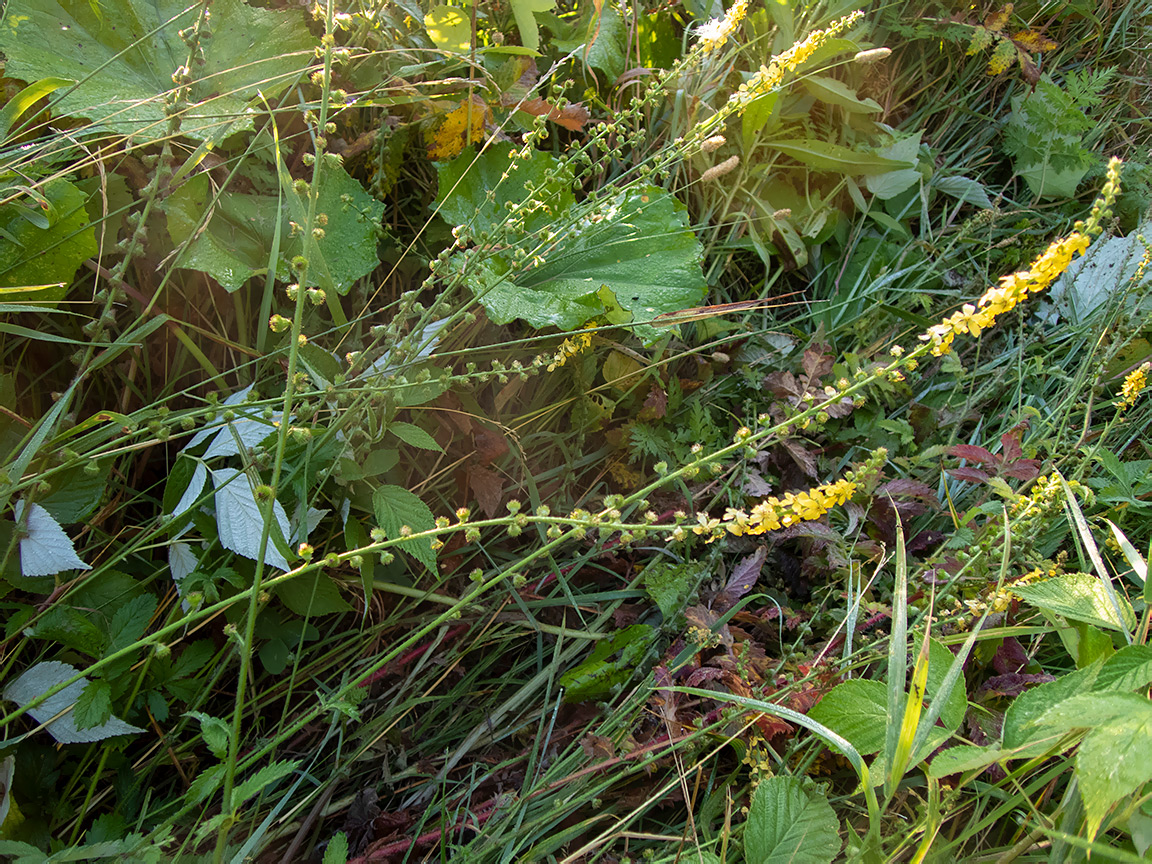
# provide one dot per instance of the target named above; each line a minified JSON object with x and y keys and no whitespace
{"x":449,"y":28}
{"x":996,"y":21}
{"x":1032,"y":41}
{"x":458,"y":129}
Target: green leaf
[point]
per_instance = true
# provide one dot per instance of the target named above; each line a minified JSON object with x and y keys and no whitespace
{"x":832,"y":157}
{"x":1127,"y":669}
{"x":49,"y":255}
{"x":1020,"y":730}
{"x":215,"y":732}
{"x":266,"y":776}
{"x":892,"y":183}
{"x":524,"y":13}
{"x":76,"y":493}
{"x":130,"y":621}
{"x":337,"y":849}
{"x":1079,"y":596}
{"x":833,"y":92}
{"x":312,"y":594}
{"x":788,"y":824}
{"x":412,"y":434}
{"x":25,"y":99}
{"x":449,"y":29}
{"x":466,"y":181}
{"x":599,"y":38}
{"x":1113,"y":758}
{"x":123,"y":54}
{"x":637,"y":243}
{"x":963,"y":757}
{"x":956,"y":705}
{"x":238,"y":240}
{"x":857,"y":710}
{"x":206,"y":782}
{"x":94,"y":707}
{"x":612,"y":662}
{"x":396,"y":507}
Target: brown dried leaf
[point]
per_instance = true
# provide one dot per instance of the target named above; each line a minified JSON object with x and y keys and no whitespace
{"x":488,"y":488}
{"x":656,"y":403}
{"x":598,"y":747}
{"x":804,"y":460}
{"x":572,"y":117}
{"x":489,"y":445}
{"x":996,"y":21}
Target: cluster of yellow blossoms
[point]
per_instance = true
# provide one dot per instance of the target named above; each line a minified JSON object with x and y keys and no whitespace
{"x":1134,"y":384}
{"x":1017,"y":287}
{"x":575,"y":344}
{"x":774,"y":513}
{"x":715,"y":33}
{"x":772,"y":73}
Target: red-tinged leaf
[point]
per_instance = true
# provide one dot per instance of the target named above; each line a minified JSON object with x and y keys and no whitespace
{"x":783,"y":384}
{"x":973,"y":454}
{"x":904,"y":488}
{"x":744,"y":575}
{"x":804,"y":460}
{"x":1013,"y":684}
{"x":704,"y":673}
{"x":1010,"y":441}
{"x":815,"y":363}
{"x":572,"y":117}
{"x":1010,"y":657}
{"x":997,"y":20}
{"x":656,"y":403}
{"x":1024,"y":469}
{"x":488,"y":488}
{"x":597,"y":747}
{"x":972,"y":475}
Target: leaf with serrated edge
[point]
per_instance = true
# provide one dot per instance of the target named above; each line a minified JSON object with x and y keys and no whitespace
{"x":41,"y":678}
{"x":787,"y":825}
{"x":239,"y":520}
{"x":47,"y":550}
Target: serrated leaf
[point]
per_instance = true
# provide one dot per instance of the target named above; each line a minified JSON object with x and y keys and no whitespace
{"x":963,"y":757}
{"x":963,"y":189}
{"x":1020,"y":728}
{"x":396,"y":507}
{"x":94,"y":707}
{"x":215,"y":732}
{"x":412,"y":434}
{"x":124,"y":70}
{"x":857,"y":710}
{"x":130,"y":621}
{"x":36,"y":681}
{"x":266,"y":776}
{"x":787,"y":825}
{"x":205,"y":783}
{"x":46,"y":550}
{"x":337,"y":850}
{"x":1127,"y":669}
{"x":240,"y":522}
{"x":249,"y":427}
{"x":1079,"y":596}
{"x":46,"y":254}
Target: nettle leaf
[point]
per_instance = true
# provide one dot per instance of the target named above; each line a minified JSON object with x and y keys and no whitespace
{"x":46,"y":550}
{"x":412,"y":434}
{"x":857,"y":710}
{"x":396,"y":507}
{"x":247,"y":430}
{"x":240,"y":521}
{"x":1081,"y":597}
{"x":130,"y":621}
{"x":94,"y":707}
{"x":788,"y":824}
{"x":41,"y":678}
{"x":1112,"y":761}
{"x":47,"y":253}
{"x":631,"y":257}
{"x":124,"y":71}
{"x":312,"y":594}
{"x":215,"y":731}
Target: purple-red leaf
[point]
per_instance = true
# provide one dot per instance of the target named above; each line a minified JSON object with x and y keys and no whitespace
{"x":973,"y":454}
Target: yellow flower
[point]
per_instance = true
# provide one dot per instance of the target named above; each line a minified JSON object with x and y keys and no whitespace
{"x":772,"y":73}
{"x":715,"y":33}
{"x":1136,"y":381}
